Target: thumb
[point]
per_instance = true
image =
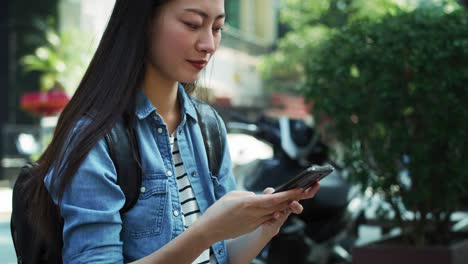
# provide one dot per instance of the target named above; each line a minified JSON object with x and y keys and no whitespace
{"x":268,"y":190}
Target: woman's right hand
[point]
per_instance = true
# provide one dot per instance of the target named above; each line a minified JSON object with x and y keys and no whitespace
{"x":239,"y":212}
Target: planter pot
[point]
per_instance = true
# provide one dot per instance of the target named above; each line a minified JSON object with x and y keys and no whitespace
{"x":44,"y":103}
{"x":388,"y":252}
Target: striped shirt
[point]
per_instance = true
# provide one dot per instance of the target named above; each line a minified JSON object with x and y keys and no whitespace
{"x":189,"y":205}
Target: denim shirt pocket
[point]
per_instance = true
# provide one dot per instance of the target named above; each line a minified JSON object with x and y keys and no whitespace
{"x":146,"y":217}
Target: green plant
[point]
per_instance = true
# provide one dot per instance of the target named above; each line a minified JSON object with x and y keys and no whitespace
{"x":308,"y":23}
{"x":397,"y":93}
{"x":61,"y":59}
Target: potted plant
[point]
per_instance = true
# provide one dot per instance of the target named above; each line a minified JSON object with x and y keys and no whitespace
{"x":61,"y":62}
{"x":396,"y":92}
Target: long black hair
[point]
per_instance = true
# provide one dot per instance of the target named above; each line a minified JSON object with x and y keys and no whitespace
{"x":108,"y":90}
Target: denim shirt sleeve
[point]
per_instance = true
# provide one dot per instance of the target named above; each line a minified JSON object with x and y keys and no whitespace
{"x":90,"y":209}
{"x":224,"y":182}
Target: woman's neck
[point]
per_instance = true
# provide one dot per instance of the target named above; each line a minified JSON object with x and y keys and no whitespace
{"x":161,"y":92}
{"x":163,"y":95}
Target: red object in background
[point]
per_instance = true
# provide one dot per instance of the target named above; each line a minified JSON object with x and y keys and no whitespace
{"x":44,"y":103}
{"x":294,"y":106}
{"x":222,"y":101}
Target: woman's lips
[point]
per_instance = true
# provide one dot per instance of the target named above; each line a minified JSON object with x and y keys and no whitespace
{"x":198,"y":64}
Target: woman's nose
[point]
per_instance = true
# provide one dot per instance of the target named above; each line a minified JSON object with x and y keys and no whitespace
{"x":207,"y":42}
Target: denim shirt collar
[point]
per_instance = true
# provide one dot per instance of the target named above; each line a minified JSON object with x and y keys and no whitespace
{"x":144,"y":107}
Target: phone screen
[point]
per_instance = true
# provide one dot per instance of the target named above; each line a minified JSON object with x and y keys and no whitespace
{"x":306,"y":178}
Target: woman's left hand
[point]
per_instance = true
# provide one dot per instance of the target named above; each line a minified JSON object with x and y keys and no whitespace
{"x":272,"y":226}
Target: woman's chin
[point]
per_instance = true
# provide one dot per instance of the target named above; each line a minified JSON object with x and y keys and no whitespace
{"x":190,"y":78}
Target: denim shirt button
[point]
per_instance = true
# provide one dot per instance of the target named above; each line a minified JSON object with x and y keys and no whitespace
{"x":220,"y":251}
{"x":169,"y":173}
{"x":143,"y":189}
{"x":176,"y":213}
{"x":160,"y":130}
{"x":180,"y":132}
{"x":194,"y":173}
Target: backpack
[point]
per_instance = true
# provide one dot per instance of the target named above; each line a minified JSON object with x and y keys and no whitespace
{"x":32,"y":247}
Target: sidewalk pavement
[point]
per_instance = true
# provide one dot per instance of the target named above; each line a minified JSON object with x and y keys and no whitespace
{"x":5,"y":204}
{"x":7,"y":251}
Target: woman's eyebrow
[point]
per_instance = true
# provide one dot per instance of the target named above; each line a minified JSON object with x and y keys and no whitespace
{"x":203,"y":14}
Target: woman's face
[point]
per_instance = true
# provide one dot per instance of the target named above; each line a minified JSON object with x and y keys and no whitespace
{"x":185,"y":34}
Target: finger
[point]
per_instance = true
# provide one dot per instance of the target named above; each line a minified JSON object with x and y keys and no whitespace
{"x":281,"y":207}
{"x":296,"y":207}
{"x":241,"y":193}
{"x":310,"y":192}
{"x":269,"y":190}
{"x":271,"y":210}
{"x":277,"y":216}
{"x":258,"y":211}
{"x":284,"y":216}
{"x":267,"y":219}
{"x":275,"y":199}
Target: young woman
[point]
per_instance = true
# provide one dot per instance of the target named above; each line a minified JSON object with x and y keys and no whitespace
{"x":183,"y":215}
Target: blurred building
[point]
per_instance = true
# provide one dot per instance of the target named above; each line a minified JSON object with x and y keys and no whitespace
{"x":251,"y":31}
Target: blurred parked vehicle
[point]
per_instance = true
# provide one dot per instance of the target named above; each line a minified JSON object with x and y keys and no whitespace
{"x":20,"y":143}
{"x":327,"y":229}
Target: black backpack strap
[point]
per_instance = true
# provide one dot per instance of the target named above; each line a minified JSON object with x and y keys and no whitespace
{"x":123,"y":148}
{"x":210,"y":125}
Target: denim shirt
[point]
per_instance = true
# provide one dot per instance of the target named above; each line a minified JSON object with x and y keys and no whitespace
{"x":95,"y":232}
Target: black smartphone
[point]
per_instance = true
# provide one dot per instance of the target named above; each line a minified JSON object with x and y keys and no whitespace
{"x":307,"y":178}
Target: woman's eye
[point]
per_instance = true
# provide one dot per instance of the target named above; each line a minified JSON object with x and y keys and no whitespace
{"x":218,"y":29}
{"x":191,"y":25}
